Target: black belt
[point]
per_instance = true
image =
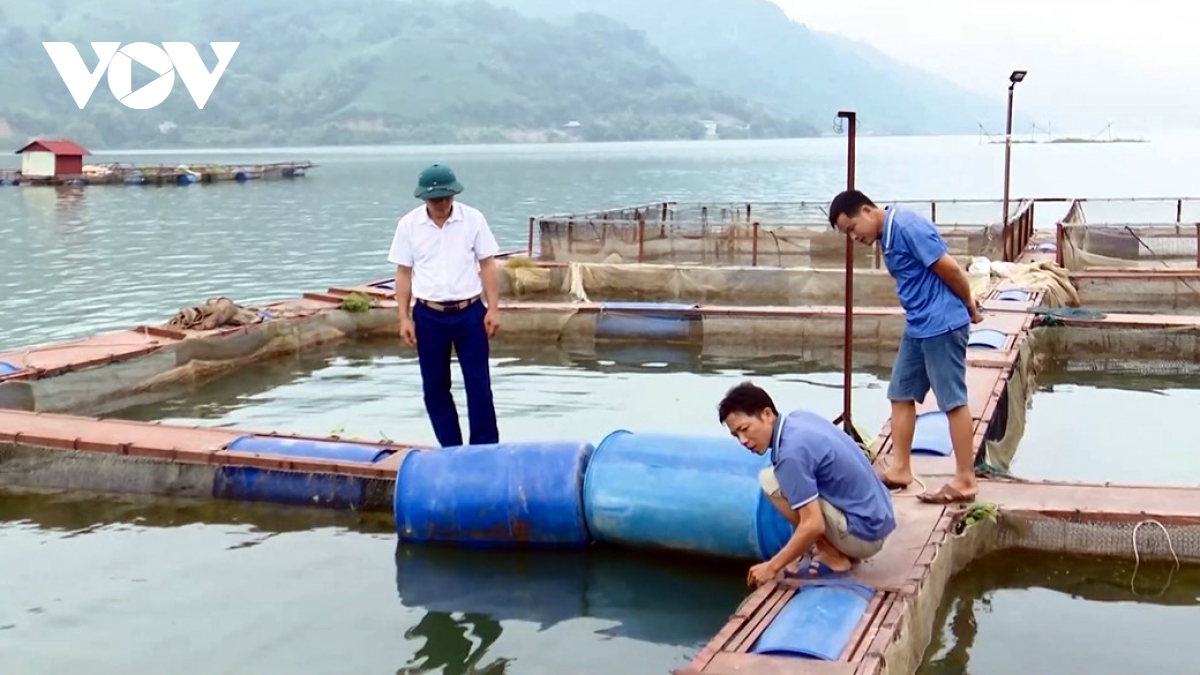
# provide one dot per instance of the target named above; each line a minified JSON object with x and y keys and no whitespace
{"x":453,"y":306}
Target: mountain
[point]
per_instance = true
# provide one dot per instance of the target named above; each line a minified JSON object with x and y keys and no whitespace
{"x":750,"y":48}
{"x":369,"y":71}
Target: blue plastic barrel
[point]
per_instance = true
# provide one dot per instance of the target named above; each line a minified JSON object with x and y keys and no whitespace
{"x":8,"y":368}
{"x":817,"y":621}
{"x":506,"y":494}
{"x":336,"y":451}
{"x":241,"y":176}
{"x":931,"y":435}
{"x":646,"y":321}
{"x":698,"y":494}
{"x":1012,"y":295}
{"x":296,"y":488}
{"x":987,"y":338}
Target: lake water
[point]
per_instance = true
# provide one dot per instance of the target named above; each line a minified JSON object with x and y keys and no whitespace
{"x":1024,"y":612}
{"x":372,"y":390}
{"x":1143,"y":444}
{"x":123,"y":585}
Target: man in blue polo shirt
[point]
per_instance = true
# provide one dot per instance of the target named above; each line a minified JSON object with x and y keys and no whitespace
{"x":819,"y":479}
{"x":939,"y":309}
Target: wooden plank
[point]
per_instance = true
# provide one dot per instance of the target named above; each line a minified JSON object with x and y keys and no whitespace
{"x":728,"y":663}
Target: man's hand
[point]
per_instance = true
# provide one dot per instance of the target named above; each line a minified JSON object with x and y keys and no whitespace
{"x":491,"y":321}
{"x":976,"y":317}
{"x":761,"y":574}
{"x":408,"y":332}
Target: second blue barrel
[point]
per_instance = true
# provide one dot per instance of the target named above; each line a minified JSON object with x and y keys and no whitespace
{"x":336,"y":451}
{"x":817,"y":622}
{"x":695,"y":494}
{"x":505,"y":494}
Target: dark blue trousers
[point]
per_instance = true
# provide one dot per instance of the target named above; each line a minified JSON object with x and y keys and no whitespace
{"x":462,"y":330}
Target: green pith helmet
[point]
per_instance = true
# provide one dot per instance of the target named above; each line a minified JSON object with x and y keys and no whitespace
{"x":437,"y":181}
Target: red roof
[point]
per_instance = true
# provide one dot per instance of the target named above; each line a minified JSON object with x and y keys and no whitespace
{"x":57,"y":147}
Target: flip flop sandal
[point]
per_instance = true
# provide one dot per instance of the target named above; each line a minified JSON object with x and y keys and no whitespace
{"x":946,"y":495}
{"x":819,"y":570}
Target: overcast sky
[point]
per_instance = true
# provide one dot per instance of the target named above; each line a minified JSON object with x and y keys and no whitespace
{"x":1135,"y":64}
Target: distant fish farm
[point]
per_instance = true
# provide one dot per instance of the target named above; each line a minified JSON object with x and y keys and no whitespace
{"x":60,"y":162}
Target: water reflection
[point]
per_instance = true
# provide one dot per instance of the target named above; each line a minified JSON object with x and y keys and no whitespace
{"x":1055,"y":446}
{"x":77,"y":513}
{"x":449,"y":649}
{"x":50,"y":203}
{"x":231,"y":565}
{"x":1129,"y":374}
{"x":640,"y":595}
{"x":371,"y":360}
{"x":1049,"y":602}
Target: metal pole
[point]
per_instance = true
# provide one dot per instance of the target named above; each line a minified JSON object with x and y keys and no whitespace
{"x":1007,"y":162}
{"x":848,"y":338}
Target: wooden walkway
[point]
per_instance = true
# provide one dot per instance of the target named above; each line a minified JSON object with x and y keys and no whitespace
{"x":903,"y":568}
{"x":898,"y":574}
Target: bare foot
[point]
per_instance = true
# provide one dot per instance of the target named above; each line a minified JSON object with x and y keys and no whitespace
{"x":895,"y":479}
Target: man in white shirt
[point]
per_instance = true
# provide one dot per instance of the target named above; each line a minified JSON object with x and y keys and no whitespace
{"x":444,"y":253}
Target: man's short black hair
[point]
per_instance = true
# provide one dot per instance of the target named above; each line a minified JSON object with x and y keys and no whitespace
{"x":745,"y":398}
{"x":847,"y":203}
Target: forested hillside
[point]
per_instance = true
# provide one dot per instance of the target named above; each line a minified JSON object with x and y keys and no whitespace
{"x":369,"y":71}
{"x":750,"y":48}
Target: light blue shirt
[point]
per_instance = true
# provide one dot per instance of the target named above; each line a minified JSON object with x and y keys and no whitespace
{"x":911,"y":243}
{"x":813,"y":458}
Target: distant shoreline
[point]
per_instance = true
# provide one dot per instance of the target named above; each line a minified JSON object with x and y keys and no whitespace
{"x":532,"y":146}
{"x":1074,"y":141}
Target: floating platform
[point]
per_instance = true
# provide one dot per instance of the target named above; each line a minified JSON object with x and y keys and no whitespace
{"x":163,"y":174}
{"x":607,"y":491}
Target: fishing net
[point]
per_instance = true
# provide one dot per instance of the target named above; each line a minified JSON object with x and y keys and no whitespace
{"x":1129,"y":246}
{"x":754,"y":243}
{"x":782,"y":234}
{"x":1102,"y":537}
{"x":703,"y":284}
{"x":598,"y":282}
{"x":1157,"y":352}
{"x":1008,"y":425}
{"x":1155,"y":292}
{"x":32,"y":467}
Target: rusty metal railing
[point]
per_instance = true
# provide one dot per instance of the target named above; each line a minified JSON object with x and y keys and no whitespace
{"x":798,"y":212}
{"x":730,"y":222}
{"x":1017,"y":232}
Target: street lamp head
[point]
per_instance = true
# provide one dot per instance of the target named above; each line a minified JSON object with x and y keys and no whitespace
{"x":1017,"y":76}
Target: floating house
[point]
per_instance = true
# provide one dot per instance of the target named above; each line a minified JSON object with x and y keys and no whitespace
{"x":53,"y":159}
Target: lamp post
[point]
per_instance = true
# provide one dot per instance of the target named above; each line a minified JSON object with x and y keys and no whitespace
{"x":1013,"y":79}
{"x":848,"y":339}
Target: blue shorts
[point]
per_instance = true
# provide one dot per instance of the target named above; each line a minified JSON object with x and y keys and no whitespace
{"x":938,"y":362}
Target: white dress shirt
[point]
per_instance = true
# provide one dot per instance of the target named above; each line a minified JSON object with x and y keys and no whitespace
{"x":444,"y":260}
